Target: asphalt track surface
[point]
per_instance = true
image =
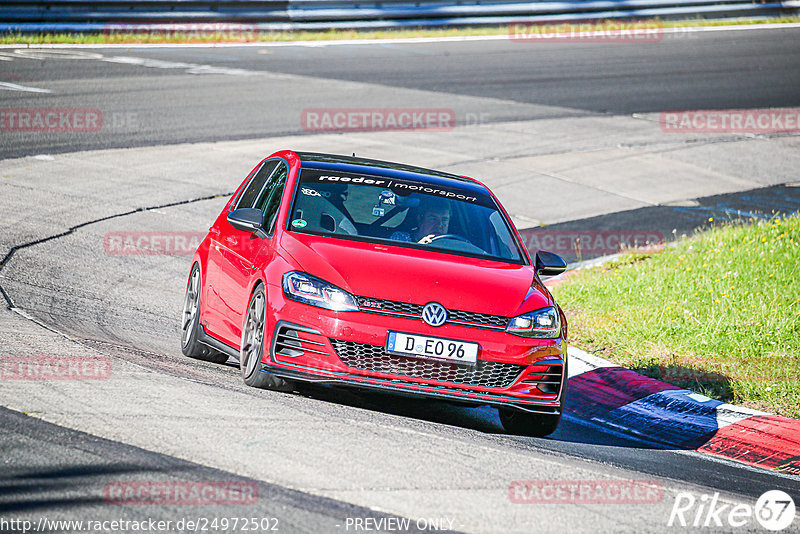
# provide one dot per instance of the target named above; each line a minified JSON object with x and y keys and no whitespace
{"x":323,"y":455}
{"x":266,"y":89}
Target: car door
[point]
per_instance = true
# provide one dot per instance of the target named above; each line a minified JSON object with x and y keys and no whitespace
{"x":238,"y":254}
{"x":214,"y":310}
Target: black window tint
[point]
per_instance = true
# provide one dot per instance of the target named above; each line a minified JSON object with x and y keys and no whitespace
{"x":252,"y":190}
{"x":378,"y":208}
{"x":270,"y":200}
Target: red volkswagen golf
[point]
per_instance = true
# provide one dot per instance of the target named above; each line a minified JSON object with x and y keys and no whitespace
{"x":365,"y":273}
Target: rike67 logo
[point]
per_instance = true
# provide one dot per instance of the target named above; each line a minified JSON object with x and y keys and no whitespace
{"x":774,"y":510}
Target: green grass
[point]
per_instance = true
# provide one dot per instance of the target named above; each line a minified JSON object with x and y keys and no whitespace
{"x":245,"y":35}
{"x":718,"y":312}
{"x":238,"y":36}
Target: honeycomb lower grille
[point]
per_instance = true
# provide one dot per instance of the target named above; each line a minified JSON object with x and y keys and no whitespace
{"x":375,"y":358}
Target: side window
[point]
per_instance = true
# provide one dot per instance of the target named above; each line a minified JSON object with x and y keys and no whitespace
{"x":252,"y":190}
{"x":269,"y":201}
{"x":501,"y":237}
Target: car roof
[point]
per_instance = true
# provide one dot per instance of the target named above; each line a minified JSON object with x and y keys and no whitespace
{"x":387,"y":168}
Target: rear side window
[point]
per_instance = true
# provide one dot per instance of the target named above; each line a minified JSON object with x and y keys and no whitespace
{"x":269,"y":201}
{"x":251,"y":192}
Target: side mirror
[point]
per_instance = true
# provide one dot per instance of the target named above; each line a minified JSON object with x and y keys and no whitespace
{"x":248,"y":220}
{"x":549,"y":264}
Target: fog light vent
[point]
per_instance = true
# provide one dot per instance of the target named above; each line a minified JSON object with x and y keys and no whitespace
{"x":290,"y":344}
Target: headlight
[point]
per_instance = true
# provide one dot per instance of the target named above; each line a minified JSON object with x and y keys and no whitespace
{"x":544,"y":323}
{"x":308,"y":289}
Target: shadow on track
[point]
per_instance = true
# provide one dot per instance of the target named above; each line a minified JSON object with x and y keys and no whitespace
{"x":602,"y":234}
{"x":481,"y":418}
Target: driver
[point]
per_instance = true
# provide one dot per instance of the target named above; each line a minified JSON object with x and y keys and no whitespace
{"x":433,"y":219}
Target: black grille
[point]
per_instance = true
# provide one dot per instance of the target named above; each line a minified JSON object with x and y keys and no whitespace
{"x":548,"y":380}
{"x":414,"y":311}
{"x":389,"y":306}
{"x":289,"y":343}
{"x":375,"y":358}
{"x":480,"y":318}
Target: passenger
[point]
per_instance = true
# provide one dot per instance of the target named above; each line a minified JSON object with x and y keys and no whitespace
{"x":433,"y":219}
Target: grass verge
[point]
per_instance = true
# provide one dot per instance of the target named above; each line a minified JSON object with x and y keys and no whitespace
{"x":244,"y":33}
{"x":718,"y":313}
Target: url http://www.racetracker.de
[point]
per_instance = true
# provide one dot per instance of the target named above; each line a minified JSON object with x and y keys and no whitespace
{"x":185,"y":524}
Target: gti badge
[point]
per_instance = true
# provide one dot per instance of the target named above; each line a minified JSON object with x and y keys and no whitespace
{"x":434,"y":314}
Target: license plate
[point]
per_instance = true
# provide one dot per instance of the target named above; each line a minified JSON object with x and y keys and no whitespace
{"x":432,"y":347}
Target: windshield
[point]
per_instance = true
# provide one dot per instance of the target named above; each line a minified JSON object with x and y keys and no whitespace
{"x":464,"y":221}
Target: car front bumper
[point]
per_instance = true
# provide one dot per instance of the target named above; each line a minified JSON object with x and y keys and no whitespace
{"x":348,"y":348}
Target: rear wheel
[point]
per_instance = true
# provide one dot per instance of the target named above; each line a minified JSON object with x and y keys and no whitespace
{"x":253,"y":347}
{"x":190,"y":322}
{"x":528,"y":424}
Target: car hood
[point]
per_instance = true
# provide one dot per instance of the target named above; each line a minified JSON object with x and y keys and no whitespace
{"x":384,"y":271}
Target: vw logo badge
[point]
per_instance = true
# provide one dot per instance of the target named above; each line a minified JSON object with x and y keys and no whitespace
{"x":434,"y":314}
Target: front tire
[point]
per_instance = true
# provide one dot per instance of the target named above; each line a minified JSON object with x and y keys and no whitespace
{"x":253,"y":346}
{"x":190,"y":323}
{"x":528,"y":424}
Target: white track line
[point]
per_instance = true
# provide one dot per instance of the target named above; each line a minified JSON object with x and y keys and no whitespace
{"x":8,"y":86}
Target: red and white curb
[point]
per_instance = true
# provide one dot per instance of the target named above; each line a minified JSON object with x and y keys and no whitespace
{"x":627,"y":402}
